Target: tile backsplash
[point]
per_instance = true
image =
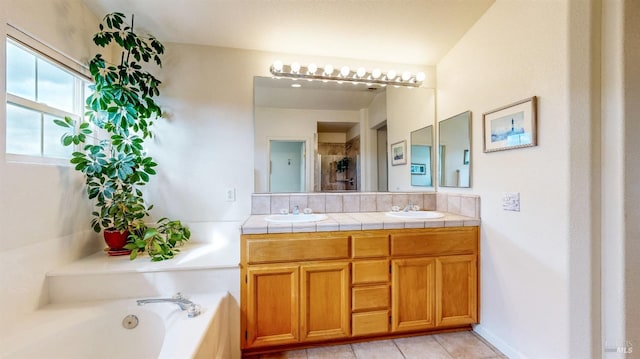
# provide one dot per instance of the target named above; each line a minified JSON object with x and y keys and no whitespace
{"x":349,"y":202}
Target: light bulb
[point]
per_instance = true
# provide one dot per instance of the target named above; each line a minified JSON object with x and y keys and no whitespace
{"x":406,"y":76}
{"x":295,"y":67}
{"x":312,"y":68}
{"x":361,"y":72}
{"x":376,"y":73}
{"x":420,"y":76}
{"x":391,"y":75}
{"x":277,"y":66}
{"x":344,"y":71}
{"x":328,"y":69}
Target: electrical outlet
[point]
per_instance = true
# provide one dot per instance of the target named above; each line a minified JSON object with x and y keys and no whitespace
{"x":230,"y":194}
{"x":511,"y":201}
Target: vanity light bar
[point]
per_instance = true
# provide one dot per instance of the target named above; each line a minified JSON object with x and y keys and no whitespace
{"x":345,"y":74}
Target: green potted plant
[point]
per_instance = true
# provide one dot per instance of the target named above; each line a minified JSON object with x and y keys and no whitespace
{"x":120,"y":112}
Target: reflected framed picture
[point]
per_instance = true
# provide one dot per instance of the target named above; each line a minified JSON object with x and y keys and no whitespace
{"x":512,"y":126}
{"x":418,"y":168}
{"x":399,"y":153}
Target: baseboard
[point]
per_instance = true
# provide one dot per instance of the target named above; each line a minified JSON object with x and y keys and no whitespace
{"x":502,"y":346}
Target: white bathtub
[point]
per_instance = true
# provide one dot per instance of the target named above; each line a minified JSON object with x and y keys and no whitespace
{"x":95,"y":330}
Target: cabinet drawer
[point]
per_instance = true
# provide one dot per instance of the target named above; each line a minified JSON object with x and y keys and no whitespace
{"x":370,"y":245}
{"x":366,"y":298}
{"x":370,"y":323}
{"x":297,"y":249}
{"x":435,"y":242}
{"x":370,"y":271}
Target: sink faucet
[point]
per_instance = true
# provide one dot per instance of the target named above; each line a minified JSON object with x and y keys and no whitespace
{"x":296,"y":210}
{"x":193,"y":310}
{"x":408,"y":208}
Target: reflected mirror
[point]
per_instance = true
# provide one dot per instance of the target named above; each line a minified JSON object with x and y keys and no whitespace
{"x":421,"y":157}
{"x":454,"y":151}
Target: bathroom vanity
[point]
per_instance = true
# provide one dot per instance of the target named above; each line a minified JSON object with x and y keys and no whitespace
{"x":303,"y":289}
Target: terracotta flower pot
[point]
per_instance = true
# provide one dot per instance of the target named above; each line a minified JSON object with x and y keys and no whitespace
{"x":114,"y":239}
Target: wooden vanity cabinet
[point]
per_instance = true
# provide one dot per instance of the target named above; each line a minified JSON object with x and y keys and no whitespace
{"x":304,"y":288}
{"x":303,"y":297}
{"x":434,"y":281}
{"x":370,"y":291}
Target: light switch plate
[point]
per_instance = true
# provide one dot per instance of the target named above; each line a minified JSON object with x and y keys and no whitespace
{"x":511,"y":201}
{"x":230,"y":194}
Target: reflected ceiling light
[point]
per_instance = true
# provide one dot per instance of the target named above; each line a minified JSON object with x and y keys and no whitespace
{"x":296,"y":85}
{"x":360,"y":76}
{"x":295,"y":67}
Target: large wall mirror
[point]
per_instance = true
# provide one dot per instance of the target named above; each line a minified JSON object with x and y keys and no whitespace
{"x":422,"y":157}
{"x":454,"y":151}
{"x":335,"y":132}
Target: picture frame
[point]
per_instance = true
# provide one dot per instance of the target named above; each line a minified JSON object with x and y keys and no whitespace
{"x":399,"y":153}
{"x":510,"y":127}
{"x":418,"y":168}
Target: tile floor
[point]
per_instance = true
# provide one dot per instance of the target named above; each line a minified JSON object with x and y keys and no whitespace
{"x":458,"y":345}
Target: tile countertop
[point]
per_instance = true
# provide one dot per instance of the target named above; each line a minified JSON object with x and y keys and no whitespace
{"x":257,"y":224}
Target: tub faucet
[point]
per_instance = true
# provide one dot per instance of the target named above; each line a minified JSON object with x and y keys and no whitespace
{"x":193,"y":310}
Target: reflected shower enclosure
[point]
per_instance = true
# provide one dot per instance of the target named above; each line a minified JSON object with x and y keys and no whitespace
{"x":337,"y":166}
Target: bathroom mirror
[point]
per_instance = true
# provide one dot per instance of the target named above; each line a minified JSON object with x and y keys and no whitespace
{"x":421,"y":157}
{"x":340,"y":125}
{"x":454,"y":151}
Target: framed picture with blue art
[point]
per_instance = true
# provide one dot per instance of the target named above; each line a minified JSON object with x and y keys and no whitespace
{"x":399,"y":153}
{"x":511,"y":126}
{"x":418,"y":168}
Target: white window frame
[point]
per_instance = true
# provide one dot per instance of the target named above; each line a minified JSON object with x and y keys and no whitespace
{"x":81,"y":78}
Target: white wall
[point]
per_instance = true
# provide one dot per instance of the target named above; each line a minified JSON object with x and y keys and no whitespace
{"x":44,"y":216}
{"x":517,"y":50}
{"x":621,"y":175}
{"x":408,"y":109}
{"x":290,"y":124}
{"x":372,"y":118}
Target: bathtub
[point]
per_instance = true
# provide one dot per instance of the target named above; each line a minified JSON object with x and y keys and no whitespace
{"x":95,"y":330}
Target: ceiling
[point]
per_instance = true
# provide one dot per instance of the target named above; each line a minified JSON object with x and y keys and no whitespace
{"x":417,"y":32}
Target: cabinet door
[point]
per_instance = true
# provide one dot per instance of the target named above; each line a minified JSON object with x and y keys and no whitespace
{"x":272,"y":305}
{"x":324,"y":301}
{"x":413,"y":294}
{"x":456,"y":290}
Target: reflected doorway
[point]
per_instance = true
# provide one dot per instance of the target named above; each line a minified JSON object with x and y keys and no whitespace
{"x":383,"y":170}
{"x":287,"y":166}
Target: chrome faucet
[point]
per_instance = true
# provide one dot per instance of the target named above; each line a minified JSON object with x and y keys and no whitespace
{"x":296,"y":210}
{"x":193,"y":310}
{"x":408,"y":208}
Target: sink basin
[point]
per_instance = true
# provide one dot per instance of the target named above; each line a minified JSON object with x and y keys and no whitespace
{"x":416,"y":214}
{"x":295,"y":218}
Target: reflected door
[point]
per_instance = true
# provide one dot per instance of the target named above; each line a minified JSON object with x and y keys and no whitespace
{"x":287,"y":166}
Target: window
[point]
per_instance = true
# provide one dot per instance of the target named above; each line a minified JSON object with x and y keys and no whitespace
{"x":39,"y":90}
